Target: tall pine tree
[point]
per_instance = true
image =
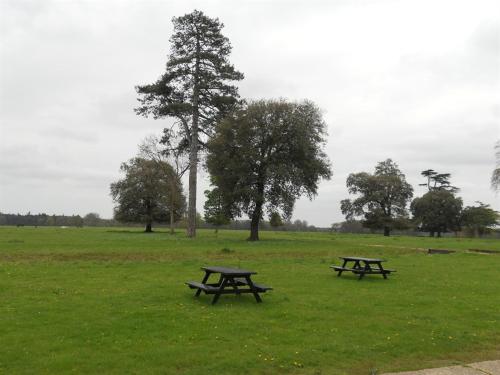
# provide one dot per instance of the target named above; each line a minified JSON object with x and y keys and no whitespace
{"x":195,"y":89}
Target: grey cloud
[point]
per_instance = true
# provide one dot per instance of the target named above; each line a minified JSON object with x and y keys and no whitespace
{"x":65,"y":133}
{"x":28,"y":165}
{"x":478,"y":63}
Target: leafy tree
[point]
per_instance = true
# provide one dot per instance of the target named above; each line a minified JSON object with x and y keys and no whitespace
{"x":161,"y":150}
{"x":76,"y":221}
{"x":479,"y":219}
{"x":275,"y":220}
{"x":143,"y":196}
{"x":437,"y":211}
{"x":194,"y":90}
{"x":214,"y":209}
{"x":92,"y":219}
{"x":350,"y":226}
{"x":383,"y":197}
{"x":438,"y":181}
{"x":300,"y":225}
{"x":495,"y":176}
{"x":267,"y":155}
{"x":51,"y":221}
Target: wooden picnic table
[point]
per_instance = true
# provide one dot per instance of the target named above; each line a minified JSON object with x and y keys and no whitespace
{"x":231,"y":281}
{"x":362,"y":266}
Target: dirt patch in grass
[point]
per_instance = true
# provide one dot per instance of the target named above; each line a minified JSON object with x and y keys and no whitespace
{"x":399,"y":247}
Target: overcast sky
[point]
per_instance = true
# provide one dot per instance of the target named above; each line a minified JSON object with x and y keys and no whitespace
{"x":416,"y":81}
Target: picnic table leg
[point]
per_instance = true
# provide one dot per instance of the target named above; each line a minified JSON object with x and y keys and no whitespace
{"x":339,"y":272}
{"x":232,"y":283}
{"x":364,"y":269}
{"x":218,"y":293}
{"x":207,"y":274}
{"x":219,"y":282}
{"x":382,"y":270}
{"x":357,"y":266}
{"x":253,"y":288}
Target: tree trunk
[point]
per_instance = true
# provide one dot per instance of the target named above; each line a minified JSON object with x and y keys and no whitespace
{"x":257,"y":213}
{"x":172,"y":189}
{"x":149,"y":218}
{"x":193,"y":171}
{"x":254,"y":225}
{"x":172,"y":231}
{"x":439,"y":233}
{"x":193,"y":150}
{"x":387,"y":231}
{"x":431,"y":233}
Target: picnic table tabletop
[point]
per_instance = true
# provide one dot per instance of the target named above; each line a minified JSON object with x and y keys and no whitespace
{"x":368,"y":260}
{"x":228,"y":271}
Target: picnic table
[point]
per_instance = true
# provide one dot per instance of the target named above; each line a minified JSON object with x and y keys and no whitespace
{"x":362,"y":266}
{"x":231,"y":281}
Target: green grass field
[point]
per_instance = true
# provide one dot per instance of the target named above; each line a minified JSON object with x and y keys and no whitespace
{"x":110,"y":300}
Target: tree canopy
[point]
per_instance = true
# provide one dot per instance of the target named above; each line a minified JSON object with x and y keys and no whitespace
{"x":275,"y":220}
{"x":479,"y":219}
{"x":438,"y":181}
{"x":160,"y":150}
{"x":382,"y":197}
{"x":144,"y":194}
{"x":437,"y":211}
{"x":215,"y":213}
{"x":265,"y":156}
{"x":195,"y":89}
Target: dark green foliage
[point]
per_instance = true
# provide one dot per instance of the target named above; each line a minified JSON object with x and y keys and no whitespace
{"x":36,"y":220}
{"x":438,"y":181}
{"x":383,"y":197}
{"x":349,"y":226}
{"x":275,"y":220}
{"x":437,"y":211}
{"x":479,"y":219}
{"x":92,"y":219}
{"x":196,"y":77}
{"x":265,"y":156}
{"x":214,"y":209}
{"x":144,"y":195}
{"x":194,"y":89}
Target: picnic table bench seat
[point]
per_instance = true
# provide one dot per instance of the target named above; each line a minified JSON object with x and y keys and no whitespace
{"x":207,"y":288}
{"x":262,"y":288}
{"x":361,"y":270}
{"x":213,"y":288}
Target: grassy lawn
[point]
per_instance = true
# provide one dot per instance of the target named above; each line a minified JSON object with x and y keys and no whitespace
{"x":112,"y":300}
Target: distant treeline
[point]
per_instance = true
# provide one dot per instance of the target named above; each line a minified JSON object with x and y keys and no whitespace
{"x":94,"y":220}
{"x":41,"y":220}
{"x":356,"y":227}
